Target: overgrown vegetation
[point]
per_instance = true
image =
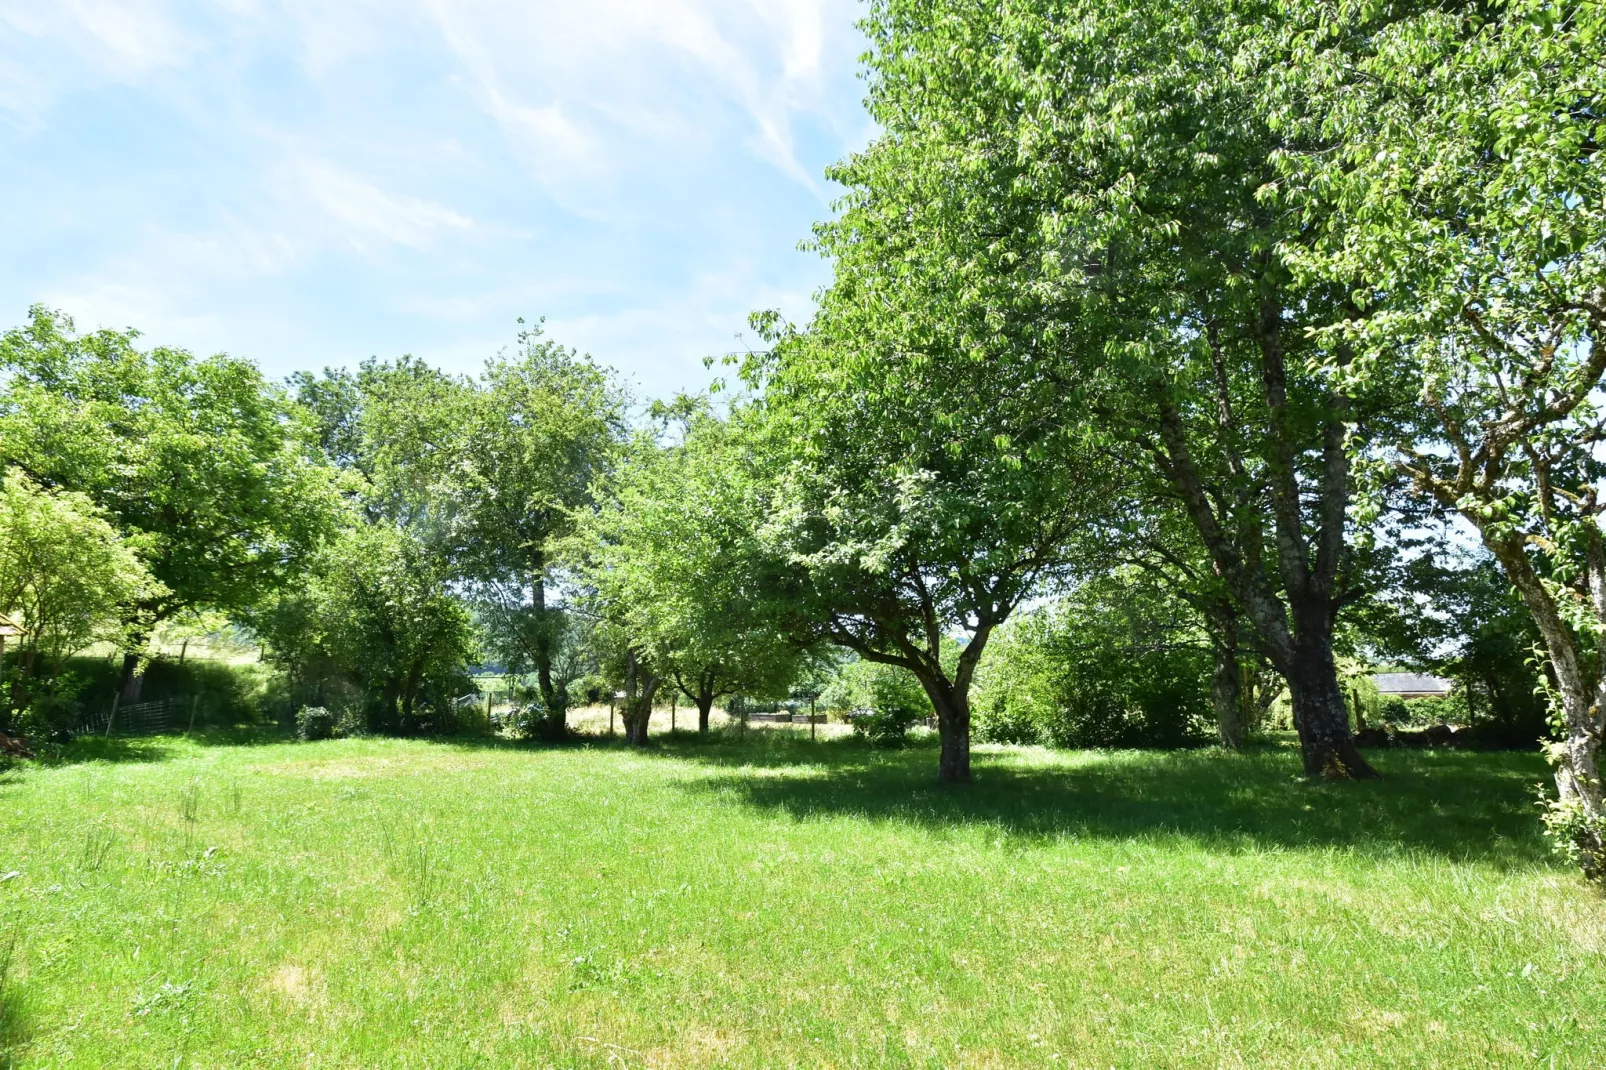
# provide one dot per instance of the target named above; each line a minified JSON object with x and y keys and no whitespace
{"x":1184,"y":362}
{"x":775,"y":903}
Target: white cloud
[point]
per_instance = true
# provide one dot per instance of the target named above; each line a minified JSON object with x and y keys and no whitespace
{"x":51,"y":48}
{"x":361,"y":214}
{"x":312,"y":181}
{"x":579,"y":87}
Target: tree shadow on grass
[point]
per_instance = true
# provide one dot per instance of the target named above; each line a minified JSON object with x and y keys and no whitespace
{"x":152,"y":748}
{"x":14,"y":1032}
{"x":102,"y":749}
{"x":1459,"y":806}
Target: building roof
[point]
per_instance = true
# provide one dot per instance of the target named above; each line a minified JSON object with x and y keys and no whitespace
{"x":8,"y":626}
{"x":1411,"y":683}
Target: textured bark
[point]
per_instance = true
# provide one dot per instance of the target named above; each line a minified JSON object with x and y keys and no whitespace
{"x":953,"y":731}
{"x":1582,"y":692}
{"x":1227,"y":697}
{"x":1321,"y":716}
{"x":705,"y":705}
{"x":641,"y":686}
{"x":1294,"y":626}
{"x":1226,"y":681}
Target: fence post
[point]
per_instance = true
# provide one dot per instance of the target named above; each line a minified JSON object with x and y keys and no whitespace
{"x":195,"y":706}
{"x":117,"y":696}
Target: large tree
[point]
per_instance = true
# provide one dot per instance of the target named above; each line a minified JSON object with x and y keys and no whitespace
{"x":378,"y":613}
{"x":1088,"y":178}
{"x":492,"y":471}
{"x":1464,"y":208}
{"x":920,"y":492}
{"x":203,"y":462}
{"x":672,"y":554}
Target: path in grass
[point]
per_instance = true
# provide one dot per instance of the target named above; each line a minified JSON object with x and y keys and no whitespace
{"x":382,"y":903}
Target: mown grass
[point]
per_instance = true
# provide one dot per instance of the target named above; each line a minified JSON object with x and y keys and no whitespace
{"x":775,"y":903}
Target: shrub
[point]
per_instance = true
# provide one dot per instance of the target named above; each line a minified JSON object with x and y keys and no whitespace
{"x":315,"y":722}
{"x":889,"y":728}
{"x":897,"y":701}
{"x":1106,"y":667}
{"x":53,"y":713}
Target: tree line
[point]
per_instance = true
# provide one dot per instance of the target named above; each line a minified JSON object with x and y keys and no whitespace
{"x":1234,"y":309}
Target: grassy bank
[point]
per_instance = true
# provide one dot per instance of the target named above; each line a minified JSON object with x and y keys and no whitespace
{"x":776,"y":903}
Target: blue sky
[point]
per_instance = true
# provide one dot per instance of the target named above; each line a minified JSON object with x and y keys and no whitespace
{"x":308,"y":182}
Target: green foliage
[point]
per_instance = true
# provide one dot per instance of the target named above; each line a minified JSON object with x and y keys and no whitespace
{"x":315,"y":723}
{"x":65,"y":574}
{"x":69,"y":580}
{"x":489,"y":473}
{"x":1078,"y":904}
{"x":672,"y":560}
{"x":378,"y":612}
{"x":881,"y":701}
{"x":201,"y":463}
{"x":1575,"y":832}
{"x":1099,"y":668}
{"x":52,"y":710}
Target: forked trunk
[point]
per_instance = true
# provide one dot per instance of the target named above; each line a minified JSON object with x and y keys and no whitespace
{"x":641,"y":686}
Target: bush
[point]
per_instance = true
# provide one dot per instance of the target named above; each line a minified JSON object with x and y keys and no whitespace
{"x":897,"y":701}
{"x":1109,"y":666}
{"x":314,"y":723}
{"x":54,"y":713}
{"x":528,"y":718}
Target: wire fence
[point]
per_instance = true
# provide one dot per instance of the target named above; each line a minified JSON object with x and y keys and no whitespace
{"x":174,"y":714}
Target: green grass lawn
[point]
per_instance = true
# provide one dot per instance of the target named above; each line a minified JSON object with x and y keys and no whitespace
{"x":777,"y":903}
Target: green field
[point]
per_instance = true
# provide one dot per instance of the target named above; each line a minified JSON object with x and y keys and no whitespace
{"x":779,"y":903}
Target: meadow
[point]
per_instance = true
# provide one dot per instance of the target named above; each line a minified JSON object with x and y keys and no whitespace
{"x":769,"y":902}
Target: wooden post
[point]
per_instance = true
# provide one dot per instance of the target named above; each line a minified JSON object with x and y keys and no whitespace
{"x":488,"y":726}
{"x":811,"y":718}
{"x":117,"y":697}
{"x":195,"y":706}
{"x":610,"y":717}
{"x":674,"y":701}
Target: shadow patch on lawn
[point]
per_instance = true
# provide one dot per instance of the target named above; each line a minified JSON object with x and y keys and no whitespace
{"x":13,"y":1028}
{"x":1459,"y":806}
{"x":12,"y":1032}
{"x":155,"y":748}
{"x":101,"y":749}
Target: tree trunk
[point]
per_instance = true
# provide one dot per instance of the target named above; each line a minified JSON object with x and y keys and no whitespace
{"x":1226,"y":683}
{"x":1226,"y":695}
{"x":953,"y":730}
{"x":705,"y":705}
{"x":641,"y":686}
{"x":1321,"y":716}
{"x":554,"y":724}
{"x":1583,"y":700}
{"x":133,"y":681}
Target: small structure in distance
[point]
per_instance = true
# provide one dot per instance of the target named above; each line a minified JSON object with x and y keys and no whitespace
{"x":1407,"y":685}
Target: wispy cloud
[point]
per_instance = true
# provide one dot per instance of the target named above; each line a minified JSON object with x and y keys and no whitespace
{"x":311,"y":181}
